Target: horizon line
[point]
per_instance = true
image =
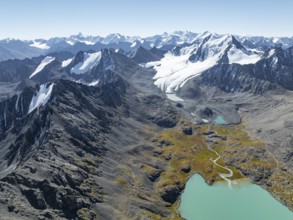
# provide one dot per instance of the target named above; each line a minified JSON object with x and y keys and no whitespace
{"x":137,"y":35}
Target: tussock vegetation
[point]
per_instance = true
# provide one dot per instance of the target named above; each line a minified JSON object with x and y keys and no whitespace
{"x":247,"y":157}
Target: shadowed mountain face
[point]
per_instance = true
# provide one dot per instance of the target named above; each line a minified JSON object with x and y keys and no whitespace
{"x":142,"y":55}
{"x":110,"y":128}
{"x":271,"y":72}
{"x":62,"y":157}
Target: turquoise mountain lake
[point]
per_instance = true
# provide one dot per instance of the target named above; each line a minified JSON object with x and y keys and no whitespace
{"x":220,"y":120}
{"x":245,"y":201}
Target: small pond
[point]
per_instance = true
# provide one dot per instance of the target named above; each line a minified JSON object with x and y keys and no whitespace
{"x":220,"y":120}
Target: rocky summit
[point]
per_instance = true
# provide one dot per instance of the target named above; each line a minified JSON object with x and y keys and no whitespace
{"x":113,"y":129}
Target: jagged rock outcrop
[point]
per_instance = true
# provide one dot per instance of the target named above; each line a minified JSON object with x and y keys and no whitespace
{"x":142,"y":55}
{"x":53,"y":166}
{"x":236,"y":78}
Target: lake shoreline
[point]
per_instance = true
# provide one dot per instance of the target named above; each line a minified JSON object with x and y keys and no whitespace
{"x":238,"y":195}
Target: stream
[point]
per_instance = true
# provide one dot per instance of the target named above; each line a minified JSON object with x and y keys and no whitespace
{"x":224,"y":176}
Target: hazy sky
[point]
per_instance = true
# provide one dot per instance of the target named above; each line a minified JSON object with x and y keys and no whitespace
{"x":27,"y":19}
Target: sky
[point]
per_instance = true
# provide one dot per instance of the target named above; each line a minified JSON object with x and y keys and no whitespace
{"x":31,"y":19}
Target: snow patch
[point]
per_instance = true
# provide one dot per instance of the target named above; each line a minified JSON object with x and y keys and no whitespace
{"x":271,"y":53}
{"x":42,"y":65}
{"x":150,"y":64}
{"x":89,"y":61}
{"x":205,"y":120}
{"x":65,"y":63}
{"x":70,"y":42}
{"x":16,"y":103}
{"x":174,"y":97}
{"x":275,"y":61}
{"x":40,"y":45}
{"x":94,"y":83}
{"x":41,"y":97}
{"x":276,"y":40}
{"x":88,"y":42}
{"x":133,"y":44}
{"x":74,"y":41}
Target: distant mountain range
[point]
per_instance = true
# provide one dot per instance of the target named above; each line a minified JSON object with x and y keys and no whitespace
{"x":17,"y":49}
{"x":176,"y":58}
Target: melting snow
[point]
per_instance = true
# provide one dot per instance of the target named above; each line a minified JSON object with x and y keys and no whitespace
{"x":42,"y":65}
{"x":65,"y":63}
{"x":90,"y":60}
{"x":41,"y":97}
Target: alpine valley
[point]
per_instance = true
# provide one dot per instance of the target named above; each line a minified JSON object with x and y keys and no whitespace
{"x":113,"y":127}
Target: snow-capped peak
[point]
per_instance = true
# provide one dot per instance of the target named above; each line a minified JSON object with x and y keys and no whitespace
{"x":175,"y":38}
{"x":114,"y":39}
{"x":177,"y":67}
{"x":80,"y":38}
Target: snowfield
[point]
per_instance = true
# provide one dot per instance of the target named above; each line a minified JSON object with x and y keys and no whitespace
{"x":43,"y":64}
{"x":41,"y":97}
{"x":90,"y":60}
{"x":65,"y":63}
